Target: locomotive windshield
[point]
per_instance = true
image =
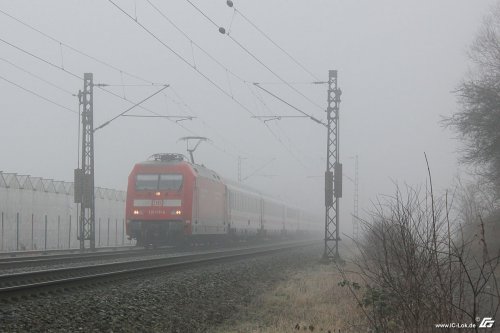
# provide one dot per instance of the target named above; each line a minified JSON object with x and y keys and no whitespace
{"x":153,"y":182}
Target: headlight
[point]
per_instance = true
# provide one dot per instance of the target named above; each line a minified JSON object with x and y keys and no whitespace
{"x":177,"y":212}
{"x":136,"y":212}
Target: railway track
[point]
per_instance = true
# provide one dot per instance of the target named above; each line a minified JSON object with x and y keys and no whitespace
{"x":29,"y":284}
{"x":61,"y":259}
{"x":53,"y":252}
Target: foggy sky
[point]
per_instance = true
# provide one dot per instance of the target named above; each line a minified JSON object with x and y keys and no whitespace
{"x":398,"y":63}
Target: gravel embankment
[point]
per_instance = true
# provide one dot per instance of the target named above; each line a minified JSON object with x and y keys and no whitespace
{"x":187,"y":301}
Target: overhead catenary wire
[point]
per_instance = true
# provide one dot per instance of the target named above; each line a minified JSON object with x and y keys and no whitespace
{"x":261,"y":100}
{"x":293,"y":82}
{"x":227,"y":70}
{"x":202,"y":13}
{"x":157,"y":116}
{"x":61,"y":44}
{"x":85,"y":54}
{"x":274,"y":73}
{"x":38,"y":95}
{"x":292,"y":106}
{"x":286,"y":148}
{"x":259,"y":169}
{"x":37,"y":76}
{"x":135,"y":76}
{"x":217,"y":61}
{"x":80,"y":78}
{"x":64,"y":69}
{"x":122,"y":71}
{"x":41,"y":59}
{"x":276,"y":136}
{"x":196,"y":70}
{"x":185,"y":105}
{"x":73,"y":48}
{"x":192,"y":42}
{"x":220,"y":64}
{"x":182,"y":32}
{"x":130,"y":108}
{"x":184,"y":60}
{"x":251,"y":54}
{"x":201,"y":73}
{"x":274,"y":43}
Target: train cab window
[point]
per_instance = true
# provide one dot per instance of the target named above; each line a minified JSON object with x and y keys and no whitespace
{"x":170,"y":182}
{"x":146,"y":182}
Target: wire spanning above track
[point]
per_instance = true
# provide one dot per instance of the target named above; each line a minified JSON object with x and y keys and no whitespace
{"x":121,"y":71}
{"x":61,"y":43}
{"x":282,"y":100}
{"x":244,"y":48}
{"x":74,"y":49}
{"x":80,"y":78}
{"x":214,"y":59}
{"x":182,"y":58}
{"x":200,"y":73}
{"x":65,"y":70}
{"x":275,"y":44}
{"x":38,"y":95}
{"x":162,"y":14}
{"x":37,"y":76}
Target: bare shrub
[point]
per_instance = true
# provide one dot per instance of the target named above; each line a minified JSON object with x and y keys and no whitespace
{"x":420,"y":268}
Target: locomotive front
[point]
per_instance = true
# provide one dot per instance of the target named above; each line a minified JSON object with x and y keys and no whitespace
{"x":159,"y":200}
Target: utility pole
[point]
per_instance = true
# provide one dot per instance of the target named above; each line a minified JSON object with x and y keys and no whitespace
{"x":355,"y":218}
{"x":333,"y":174}
{"x":84,"y":176}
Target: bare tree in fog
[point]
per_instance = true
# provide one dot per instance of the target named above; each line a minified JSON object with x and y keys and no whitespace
{"x":478,"y":121}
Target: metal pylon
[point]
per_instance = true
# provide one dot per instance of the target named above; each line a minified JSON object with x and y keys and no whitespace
{"x":84,"y":177}
{"x":333,"y":172}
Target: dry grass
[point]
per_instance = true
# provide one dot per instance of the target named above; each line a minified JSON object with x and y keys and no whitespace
{"x":308,"y":301}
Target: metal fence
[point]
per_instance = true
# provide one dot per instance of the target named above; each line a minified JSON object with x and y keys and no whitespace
{"x":38,"y":214}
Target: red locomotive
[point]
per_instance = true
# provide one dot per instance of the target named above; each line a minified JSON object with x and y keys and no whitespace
{"x":171,"y":200}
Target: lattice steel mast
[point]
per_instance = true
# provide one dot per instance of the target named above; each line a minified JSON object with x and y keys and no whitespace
{"x":333,"y":174}
{"x":84,"y":176}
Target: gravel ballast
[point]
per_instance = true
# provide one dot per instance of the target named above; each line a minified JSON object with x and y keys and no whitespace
{"x":191,"y":300}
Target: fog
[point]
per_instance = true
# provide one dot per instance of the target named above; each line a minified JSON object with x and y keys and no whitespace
{"x":398,"y":63}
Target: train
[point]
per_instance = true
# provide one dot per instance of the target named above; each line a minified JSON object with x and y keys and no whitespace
{"x":173,"y":201}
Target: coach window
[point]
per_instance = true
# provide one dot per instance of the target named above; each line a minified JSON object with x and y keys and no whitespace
{"x":170,"y":182}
